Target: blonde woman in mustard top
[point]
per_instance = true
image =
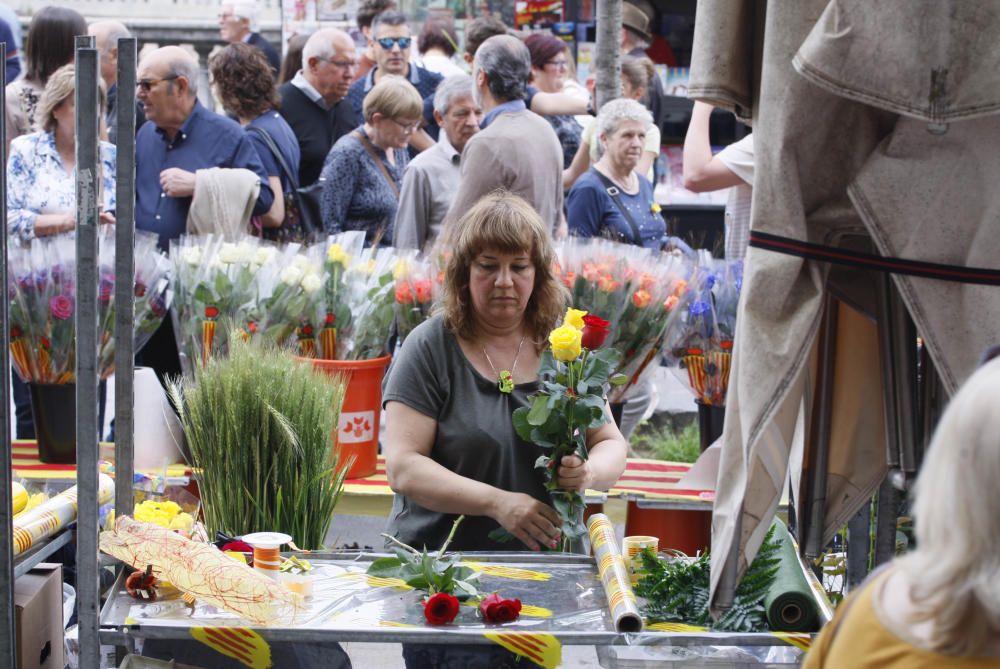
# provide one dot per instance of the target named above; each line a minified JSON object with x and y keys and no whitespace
{"x":938,"y":606}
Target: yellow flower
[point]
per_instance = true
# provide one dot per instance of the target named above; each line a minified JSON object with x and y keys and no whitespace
{"x":655,"y":208}
{"x":401,"y":270}
{"x":566,"y":343}
{"x":574,"y":318}
{"x":337,"y":254}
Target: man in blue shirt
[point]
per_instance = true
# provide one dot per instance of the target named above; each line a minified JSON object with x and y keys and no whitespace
{"x":181,"y":138}
{"x":391,"y":43}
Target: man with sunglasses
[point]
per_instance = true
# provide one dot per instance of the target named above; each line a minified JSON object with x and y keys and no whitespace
{"x":180,"y":138}
{"x":391,"y":41}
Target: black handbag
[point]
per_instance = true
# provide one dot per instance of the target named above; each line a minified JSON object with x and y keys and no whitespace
{"x":303,"y":222}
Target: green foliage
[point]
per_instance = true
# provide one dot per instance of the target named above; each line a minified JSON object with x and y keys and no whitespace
{"x":432,"y":573}
{"x":570,"y":401}
{"x":676,"y":590}
{"x":664,"y":443}
{"x":259,"y":426}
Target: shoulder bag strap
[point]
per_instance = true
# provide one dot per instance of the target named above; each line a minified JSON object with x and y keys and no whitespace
{"x":613,"y":191}
{"x":365,"y":142}
{"x":266,"y":136}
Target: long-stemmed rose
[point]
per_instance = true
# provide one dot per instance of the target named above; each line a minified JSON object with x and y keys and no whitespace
{"x":570,"y":401}
{"x":440,"y":608}
{"x":495,"y":609}
{"x":595,"y":331}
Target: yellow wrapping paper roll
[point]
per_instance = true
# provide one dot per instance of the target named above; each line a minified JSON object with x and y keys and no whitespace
{"x":46,"y":519}
{"x":614,"y":574}
{"x":202,"y":571}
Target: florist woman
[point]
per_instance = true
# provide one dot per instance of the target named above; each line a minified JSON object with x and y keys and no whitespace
{"x":450,"y":443}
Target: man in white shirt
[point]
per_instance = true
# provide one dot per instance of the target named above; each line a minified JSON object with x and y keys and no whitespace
{"x":432,"y":178}
{"x":730,"y":168}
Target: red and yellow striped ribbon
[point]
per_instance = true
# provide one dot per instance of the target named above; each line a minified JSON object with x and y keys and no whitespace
{"x":207,"y":337}
{"x":307,"y":347}
{"x":240,"y":643}
{"x":328,"y":342}
{"x":542,"y":649}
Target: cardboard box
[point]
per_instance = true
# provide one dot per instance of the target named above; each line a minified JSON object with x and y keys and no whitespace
{"x":38,"y":614}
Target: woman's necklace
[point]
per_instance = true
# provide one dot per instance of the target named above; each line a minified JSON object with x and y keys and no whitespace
{"x":505,"y":377}
{"x":629,"y":184}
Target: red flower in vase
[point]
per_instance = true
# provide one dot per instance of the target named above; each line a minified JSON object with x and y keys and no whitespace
{"x":331,"y":320}
{"x":440,"y":609}
{"x":211,"y":312}
{"x":61,"y":307}
{"x":595,"y":331}
{"x":307,"y":330}
{"x":496,"y":609}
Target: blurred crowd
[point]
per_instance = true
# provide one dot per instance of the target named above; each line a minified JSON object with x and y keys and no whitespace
{"x":396,"y":137}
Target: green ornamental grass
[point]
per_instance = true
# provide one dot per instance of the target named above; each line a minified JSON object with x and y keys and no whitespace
{"x":259,"y":426}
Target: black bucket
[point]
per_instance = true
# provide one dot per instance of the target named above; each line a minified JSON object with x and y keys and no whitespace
{"x":53,"y":409}
{"x":710,"y":423}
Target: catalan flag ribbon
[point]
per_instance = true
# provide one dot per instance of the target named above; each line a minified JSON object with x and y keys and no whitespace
{"x":240,"y":643}
{"x":614,"y":574}
{"x":542,"y":649}
{"x":208,"y":333}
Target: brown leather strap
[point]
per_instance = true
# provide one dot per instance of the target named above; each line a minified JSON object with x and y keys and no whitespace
{"x":370,"y":148}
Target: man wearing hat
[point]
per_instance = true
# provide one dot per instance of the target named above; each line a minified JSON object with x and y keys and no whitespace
{"x":634,"y":42}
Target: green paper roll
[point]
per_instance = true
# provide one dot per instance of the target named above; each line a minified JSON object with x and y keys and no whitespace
{"x":790,"y":603}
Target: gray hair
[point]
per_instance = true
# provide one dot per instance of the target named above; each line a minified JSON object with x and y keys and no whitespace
{"x":507,"y":65}
{"x":617,"y":111}
{"x":388,"y":18}
{"x":115,"y":32}
{"x":321,"y":44}
{"x":186,"y":67}
{"x":455,"y":86}
{"x":244,"y":9}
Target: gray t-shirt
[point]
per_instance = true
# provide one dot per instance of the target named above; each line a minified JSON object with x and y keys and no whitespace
{"x":475,"y":436}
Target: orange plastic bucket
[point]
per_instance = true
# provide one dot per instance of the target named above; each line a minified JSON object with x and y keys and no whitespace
{"x":357,"y":431}
{"x":687,"y":531}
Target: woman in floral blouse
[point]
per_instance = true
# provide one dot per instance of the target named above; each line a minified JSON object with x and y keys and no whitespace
{"x":41,"y":170}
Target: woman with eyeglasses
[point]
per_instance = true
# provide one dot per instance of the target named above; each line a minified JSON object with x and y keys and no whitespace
{"x":363,"y":172}
{"x":549,"y":69}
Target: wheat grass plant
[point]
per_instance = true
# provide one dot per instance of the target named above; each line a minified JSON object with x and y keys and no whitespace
{"x":259,"y":426}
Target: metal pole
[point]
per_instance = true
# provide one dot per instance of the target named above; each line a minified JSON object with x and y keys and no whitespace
{"x":608,"y":50}
{"x":8,"y":644}
{"x":88,"y":180}
{"x":124,"y":278}
{"x":814,"y":521}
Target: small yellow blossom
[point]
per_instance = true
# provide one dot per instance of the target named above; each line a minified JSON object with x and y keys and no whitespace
{"x":655,"y":208}
{"x":336,"y":254}
{"x":574,"y":318}
{"x":566,"y":343}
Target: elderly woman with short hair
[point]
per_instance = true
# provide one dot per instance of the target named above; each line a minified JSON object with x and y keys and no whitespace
{"x":612,"y":199}
{"x":364,"y":169}
{"x":41,"y":170}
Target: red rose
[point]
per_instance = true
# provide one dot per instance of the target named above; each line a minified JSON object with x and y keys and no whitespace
{"x":440,"y":609}
{"x":211,"y":312}
{"x":595,"y":331}
{"x":251,"y":327}
{"x":422,"y":290}
{"x":15,"y":332}
{"x":403,"y":293}
{"x":140,"y":289}
{"x":495,"y":609}
{"x":238,"y":546}
{"x":61,"y":307}
{"x":330,"y":319}
{"x":307,"y":330}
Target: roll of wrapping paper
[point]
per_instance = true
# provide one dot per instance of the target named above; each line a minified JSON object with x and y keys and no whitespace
{"x":614,"y":574}
{"x":47,"y":518}
{"x":202,"y":571}
{"x":789,"y":603}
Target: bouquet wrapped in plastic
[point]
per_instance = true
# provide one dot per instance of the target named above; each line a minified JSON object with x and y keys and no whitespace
{"x":372,"y":297}
{"x":637,"y":292}
{"x":336,"y":320}
{"x":416,"y":290}
{"x":703,"y":342}
{"x":42,"y":290}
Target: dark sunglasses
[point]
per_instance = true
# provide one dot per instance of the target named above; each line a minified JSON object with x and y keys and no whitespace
{"x":387,"y":42}
{"x":147,"y":84}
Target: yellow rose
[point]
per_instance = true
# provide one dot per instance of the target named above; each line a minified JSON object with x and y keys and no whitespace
{"x":337,"y":254}
{"x":566,"y":343}
{"x":574,"y":318}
